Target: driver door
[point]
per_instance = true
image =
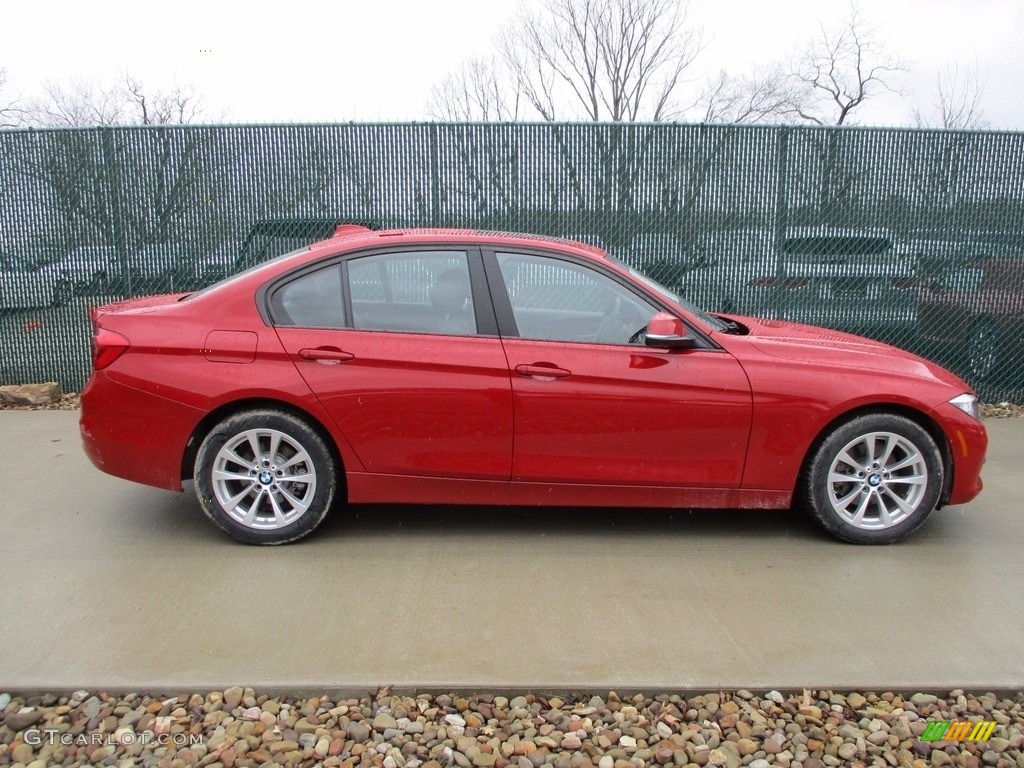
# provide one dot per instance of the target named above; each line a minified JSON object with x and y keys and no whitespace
{"x":591,"y":403}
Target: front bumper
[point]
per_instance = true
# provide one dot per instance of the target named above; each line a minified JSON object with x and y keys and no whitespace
{"x":968,"y":443}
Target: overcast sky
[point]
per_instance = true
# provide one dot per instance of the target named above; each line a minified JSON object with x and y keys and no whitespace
{"x":303,"y":60}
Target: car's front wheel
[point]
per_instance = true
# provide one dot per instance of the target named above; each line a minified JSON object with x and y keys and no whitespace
{"x":265,"y":477}
{"x":874,"y":479}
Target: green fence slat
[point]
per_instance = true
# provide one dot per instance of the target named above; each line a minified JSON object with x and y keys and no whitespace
{"x":773,"y":220}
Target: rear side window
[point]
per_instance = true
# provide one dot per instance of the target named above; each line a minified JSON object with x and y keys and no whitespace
{"x":415,"y":292}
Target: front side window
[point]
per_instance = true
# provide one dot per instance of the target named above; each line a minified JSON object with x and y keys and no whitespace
{"x":417,"y":292}
{"x":557,"y":300}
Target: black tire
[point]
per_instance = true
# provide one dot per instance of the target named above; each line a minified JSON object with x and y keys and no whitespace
{"x":874,"y":485}
{"x":269,"y":507}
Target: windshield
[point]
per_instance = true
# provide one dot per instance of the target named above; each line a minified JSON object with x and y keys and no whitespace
{"x":711,"y":320}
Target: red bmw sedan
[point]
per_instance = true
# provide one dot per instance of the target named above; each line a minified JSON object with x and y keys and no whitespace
{"x":461,"y":367}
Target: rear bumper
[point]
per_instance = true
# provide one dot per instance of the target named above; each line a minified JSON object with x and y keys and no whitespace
{"x":118,"y":434}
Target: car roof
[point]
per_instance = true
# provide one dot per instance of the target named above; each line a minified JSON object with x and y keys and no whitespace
{"x":354,"y":235}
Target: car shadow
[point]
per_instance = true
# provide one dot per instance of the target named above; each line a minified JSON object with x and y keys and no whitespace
{"x":384,"y":520}
{"x":178,"y":518}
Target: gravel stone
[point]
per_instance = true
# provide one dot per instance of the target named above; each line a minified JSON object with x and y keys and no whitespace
{"x":239,"y":728}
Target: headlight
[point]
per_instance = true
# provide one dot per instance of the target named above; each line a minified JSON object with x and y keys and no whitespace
{"x":966,"y":403}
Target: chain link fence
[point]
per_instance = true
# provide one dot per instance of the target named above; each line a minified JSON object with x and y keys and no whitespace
{"x":913,"y":237}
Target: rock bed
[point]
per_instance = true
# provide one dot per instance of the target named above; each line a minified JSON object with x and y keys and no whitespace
{"x":239,"y":727}
{"x":67,"y":402}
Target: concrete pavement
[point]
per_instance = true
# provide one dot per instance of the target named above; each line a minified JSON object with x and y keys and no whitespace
{"x":113,"y":586}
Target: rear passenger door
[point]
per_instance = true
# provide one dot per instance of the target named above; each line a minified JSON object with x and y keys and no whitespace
{"x":402,"y":349}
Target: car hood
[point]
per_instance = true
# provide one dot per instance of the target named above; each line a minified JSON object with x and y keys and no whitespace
{"x":808,"y":343}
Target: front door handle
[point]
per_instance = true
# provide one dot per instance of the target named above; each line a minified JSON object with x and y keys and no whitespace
{"x":545,"y":371}
{"x":325,"y":355}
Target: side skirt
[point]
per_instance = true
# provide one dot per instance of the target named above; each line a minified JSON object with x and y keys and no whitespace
{"x":368,"y":488}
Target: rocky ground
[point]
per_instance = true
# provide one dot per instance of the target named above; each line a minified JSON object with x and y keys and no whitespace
{"x":67,"y":402}
{"x":1001,"y":410}
{"x":238,"y":727}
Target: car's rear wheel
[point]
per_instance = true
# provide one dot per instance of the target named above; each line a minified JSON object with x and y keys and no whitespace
{"x":265,"y":477}
{"x":874,"y":479}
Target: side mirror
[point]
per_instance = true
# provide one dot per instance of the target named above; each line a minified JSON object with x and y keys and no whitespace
{"x":666,"y":331}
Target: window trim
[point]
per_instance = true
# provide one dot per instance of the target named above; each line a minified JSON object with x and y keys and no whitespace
{"x":483,"y":307}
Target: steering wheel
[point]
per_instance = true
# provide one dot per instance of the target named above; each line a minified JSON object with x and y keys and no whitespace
{"x":615,"y":325}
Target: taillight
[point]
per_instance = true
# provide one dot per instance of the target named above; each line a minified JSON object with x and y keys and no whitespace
{"x":763,"y":282}
{"x":797,"y":282}
{"x":107,"y":346}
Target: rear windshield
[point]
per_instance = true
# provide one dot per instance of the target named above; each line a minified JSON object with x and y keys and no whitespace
{"x":238,"y":275}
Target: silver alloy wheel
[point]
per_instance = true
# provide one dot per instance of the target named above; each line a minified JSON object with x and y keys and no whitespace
{"x":877,"y":481}
{"x":264,"y":479}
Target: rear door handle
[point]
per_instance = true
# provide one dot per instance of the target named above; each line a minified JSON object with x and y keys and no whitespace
{"x":542,"y":371}
{"x":325,"y":355}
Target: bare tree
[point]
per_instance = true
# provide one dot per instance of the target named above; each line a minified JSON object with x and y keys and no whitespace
{"x":128,"y":102}
{"x":601,"y":59}
{"x":766,"y":96}
{"x":479,"y":91}
{"x":11,"y":114}
{"x":120,"y":187}
{"x":842,"y":67}
{"x":178,"y":106}
{"x":955,"y":100}
{"x":948,"y":166}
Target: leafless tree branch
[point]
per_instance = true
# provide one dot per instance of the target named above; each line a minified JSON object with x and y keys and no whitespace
{"x":768,"y":96}
{"x":84,"y":103}
{"x":478,"y":91}
{"x":842,"y":67}
{"x":956,"y":100}
{"x":11,"y":114}
{"x":618,"y":60}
